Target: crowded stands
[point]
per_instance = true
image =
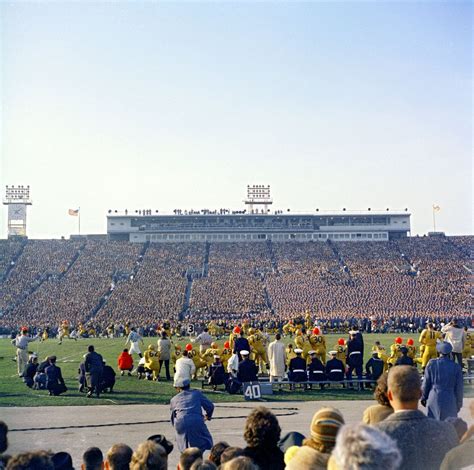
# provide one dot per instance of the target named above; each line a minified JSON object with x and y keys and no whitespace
{"x":377,"y":286}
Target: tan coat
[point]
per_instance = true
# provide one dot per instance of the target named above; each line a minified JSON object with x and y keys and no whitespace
{"x":376,"y":413}
{"x":277,"y":358}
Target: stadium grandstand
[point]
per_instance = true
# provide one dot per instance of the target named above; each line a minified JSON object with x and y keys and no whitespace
{"x":399,"y":280}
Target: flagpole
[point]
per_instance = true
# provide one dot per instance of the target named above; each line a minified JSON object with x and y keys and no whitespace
{"x":434,"y":220}
{"x":79,"y":221}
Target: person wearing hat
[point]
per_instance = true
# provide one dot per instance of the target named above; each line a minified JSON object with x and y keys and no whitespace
{"x":411,"y":348}
{"x":247,"y":368}
{"x":395,"y":352}
{"x":374,"y":367}
{"x":404,"y":359}
{"x":443,"y":385}
{"x":21,"y":343}
{"x":217,"y":374}
{"x":355,"y":357}
{"x":324,"y":428}
{"x":233,"y":336}
{"x":187,"y":418}
{"x":316,"y":370}
{"x":334,"y":368}
{"x":297,"y":368}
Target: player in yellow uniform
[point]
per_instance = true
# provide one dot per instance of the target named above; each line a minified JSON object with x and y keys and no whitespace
{"x":176,"y":354}
{"x":234,"y":335}
{"x":302,"y":342}
{"x":290,"y":354}
{"x":411,"y":349}
{"x":199,"y":362}
{"x":209,"y":353}
{"x":395,"y":352}
{"x":428,"y":338}
{"x":341,"y":350}
{"x":45,"y":334}
{"x":152,"y":362}
{"x":382,"y":353}
{"x":318,"y":344}
{"x":307,"y":320}
{"x":63,"y":331}
{"x":246,"y":327}
{"x":259,"y":353}
{"x":288,"y":328}
{"x":226,"y":354}
{"x":127,"y":329}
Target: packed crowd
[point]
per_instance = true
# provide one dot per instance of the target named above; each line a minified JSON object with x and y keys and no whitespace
{"x":234,"y":283}
{"x":158,"y":289}
{"x":9,"y":250}
{"x":393,"y":434}
{"x":380,"y":286}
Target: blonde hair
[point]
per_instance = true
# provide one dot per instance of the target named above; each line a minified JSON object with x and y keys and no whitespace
{"x":149,"y":456}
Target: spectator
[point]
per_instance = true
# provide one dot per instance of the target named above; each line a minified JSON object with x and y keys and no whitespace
{"x":376,"y":413}
{"x":404,"y":359}
{"x":118,"y":457}
{"x":216,"y":452}
{"x":94,"y":365}
{"x":297,"y":368}
{"x":164,"y":351}
{"x":231,"y":453}
{"x":262,"y":433}
{"x":217,"y":375}
{"x":361,"y":447}
{"x":316,"y":369}
{"x":54,"y":378}
{"x":30,"y":370}
{"x":39,"y":460}
{"x":324,"y":428}
{"x":149,"y":456}
{"x":374,"y":367}
{"x":422,"y":441}
{"x":334,"y":368}
{"x":200,"y":465}
{"x":443,"y":385}
{"x":125,"y":362}
{"x":456,"y":337}
{"x":62,"y":461}
{"x":92,"y":459}
{"x":240,"y":463}
{"x":185,"y":368}
{"x":187,"y":419}
{"x":188,"y":457}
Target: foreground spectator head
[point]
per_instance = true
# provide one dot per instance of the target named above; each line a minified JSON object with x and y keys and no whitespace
{"x":231,"y":453}
{"x":404,"y":388}
{"x":149,"y":456}
{"x":305,"y":457}
{"x":200,"y":465}
{"x":239,"y":463}
{"x":188,"y":457}
{"x":39,"y":460}
{"x":361,"y":447}
{"x":118,"y":457}
{"x":162,"y":441}
{"x":380,"y":392}
{"x":459,"y":425}
{"x":62,"y":461}
{"x":216,"y":452}
{"x":325,"y":425}
{"x":262,"y":428}
{"x":3,"y":437}
{"x":90,"y":348}
{"x":92,"y":459}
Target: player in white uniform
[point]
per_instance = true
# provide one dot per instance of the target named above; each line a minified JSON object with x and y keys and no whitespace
{"x":134,"y":338}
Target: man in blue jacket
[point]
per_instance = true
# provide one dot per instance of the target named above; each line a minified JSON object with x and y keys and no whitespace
{"x":94,"y":367}
{"x":443,"y":385}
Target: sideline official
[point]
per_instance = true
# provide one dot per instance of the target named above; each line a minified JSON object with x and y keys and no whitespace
{"x":21,"y":343}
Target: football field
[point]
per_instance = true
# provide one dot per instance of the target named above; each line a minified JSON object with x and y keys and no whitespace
{"x":130,"y":390}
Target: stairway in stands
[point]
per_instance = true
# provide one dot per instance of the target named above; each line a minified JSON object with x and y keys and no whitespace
{"x":272,"y":256}
{"x":13,"y":261}
{"x":117,"y":278}
{"x":344,"y":268}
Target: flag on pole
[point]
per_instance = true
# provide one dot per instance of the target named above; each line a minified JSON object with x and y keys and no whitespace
{"x":73,"y":212}
{"x":436,"y":208}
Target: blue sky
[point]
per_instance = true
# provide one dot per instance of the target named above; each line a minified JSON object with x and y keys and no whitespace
{"x":163,"y":105}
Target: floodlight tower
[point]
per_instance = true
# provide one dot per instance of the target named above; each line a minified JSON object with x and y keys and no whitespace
{"x":17,"y":198}
{"x":258,"y":199}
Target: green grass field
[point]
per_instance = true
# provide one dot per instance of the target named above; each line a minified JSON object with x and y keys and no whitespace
{"x":130,"y":390}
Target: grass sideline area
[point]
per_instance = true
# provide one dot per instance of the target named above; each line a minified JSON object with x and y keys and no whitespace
{"x":130,"y":390}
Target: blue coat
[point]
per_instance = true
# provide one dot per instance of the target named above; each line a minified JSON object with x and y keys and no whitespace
{"x":187,"y":418}
{"x":443,"y":388}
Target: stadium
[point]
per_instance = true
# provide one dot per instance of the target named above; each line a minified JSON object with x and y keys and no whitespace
{"x":236,"y":236}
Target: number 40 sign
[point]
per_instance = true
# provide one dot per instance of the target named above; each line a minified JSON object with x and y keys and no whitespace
{"x":252,"y":390}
